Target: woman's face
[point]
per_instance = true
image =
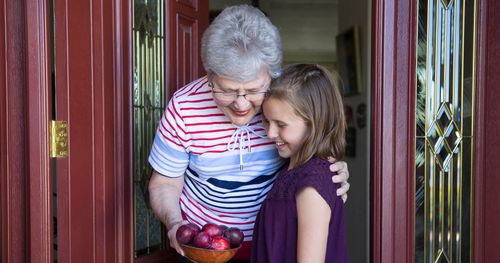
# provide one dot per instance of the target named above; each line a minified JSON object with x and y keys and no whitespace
{"x":240,"y":101}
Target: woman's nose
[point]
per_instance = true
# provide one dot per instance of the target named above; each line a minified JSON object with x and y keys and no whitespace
{"x":241,"y":102}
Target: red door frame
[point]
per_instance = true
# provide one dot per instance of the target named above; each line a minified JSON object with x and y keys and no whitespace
{"x":487,"y":150}
{"x":12,"y":126}
{"x":37,"y":107}
{"x":25,"y":163}
{"x":24,"y":82}
{"x":393,"y":56}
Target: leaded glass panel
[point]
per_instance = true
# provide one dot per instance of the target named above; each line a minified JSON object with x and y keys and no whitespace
{"x":444,"y":121}
{"x":148,"y":104}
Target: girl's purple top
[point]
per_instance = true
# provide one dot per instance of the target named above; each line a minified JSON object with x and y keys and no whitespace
{"x":275,"y":230}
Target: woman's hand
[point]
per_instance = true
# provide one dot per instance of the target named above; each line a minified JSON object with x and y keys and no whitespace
{"x":340,"y":167}
{"x":173,"y":239}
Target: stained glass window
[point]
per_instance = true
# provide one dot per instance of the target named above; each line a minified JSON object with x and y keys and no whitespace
{"x":444,"y":121}
{"x":148,"y":104}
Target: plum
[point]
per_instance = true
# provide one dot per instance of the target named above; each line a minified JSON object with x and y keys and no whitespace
{"x":211,"y":229}
{"x":222,"y":228}
{"x":202,"y":240}
{"x":195,"y":227}
{"x":219,"y":243}
{"x":185,"y":234}
{"x":234,"y":235}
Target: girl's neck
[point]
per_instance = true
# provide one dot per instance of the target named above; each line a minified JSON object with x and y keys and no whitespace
{"x":292,"y":163}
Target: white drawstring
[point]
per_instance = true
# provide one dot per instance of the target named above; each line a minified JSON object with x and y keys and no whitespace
{"x":242,"y":136}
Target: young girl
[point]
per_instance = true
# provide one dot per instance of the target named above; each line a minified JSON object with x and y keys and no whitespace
{"x":301,"y":219}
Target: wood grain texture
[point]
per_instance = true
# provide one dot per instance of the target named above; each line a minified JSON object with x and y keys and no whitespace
{"x":487,"y":144}
{"x":392,"y":139}
{"x":12,"y":127}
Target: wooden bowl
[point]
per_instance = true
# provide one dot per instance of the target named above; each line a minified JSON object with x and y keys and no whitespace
{"x":202,"y":255}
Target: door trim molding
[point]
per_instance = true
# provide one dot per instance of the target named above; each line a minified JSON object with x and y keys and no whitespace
{"x":37,"y":131}
{"x":123,"y":80}
{"x":487,"y":141}
{"x":393,"y":130}
{"x":12,"y":134}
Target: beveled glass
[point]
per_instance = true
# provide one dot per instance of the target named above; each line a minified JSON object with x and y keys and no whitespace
{"x":148,"y":104}
{"x":444,"y":137}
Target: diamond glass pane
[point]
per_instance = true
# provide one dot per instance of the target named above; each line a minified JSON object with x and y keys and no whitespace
{"x":443,"y":117}
{"x":444,"y":121}
{"x":148,"y":103}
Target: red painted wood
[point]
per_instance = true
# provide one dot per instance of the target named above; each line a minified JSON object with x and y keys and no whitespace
{"x":4,"y":188}
{"x":85,"y":90}
{"x":487,"y":144}
{"x":37,"y":132}
{"x":122,"y":63}
{"x":62,"y":165}
{"x":393,"y":128}
{"x":12,"y":127}
{"x":186,"y":21}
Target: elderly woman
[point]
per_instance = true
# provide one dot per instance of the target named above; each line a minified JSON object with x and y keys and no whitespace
{"x":211,"y":158}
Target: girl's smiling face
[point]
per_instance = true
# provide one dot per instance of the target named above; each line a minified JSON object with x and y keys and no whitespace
{"x":284,"y":127}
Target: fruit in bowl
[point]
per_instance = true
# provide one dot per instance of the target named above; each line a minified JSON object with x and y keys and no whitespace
{"x":186,"y":233}
{"x":211,"y":243}
{"x":234,"y":235}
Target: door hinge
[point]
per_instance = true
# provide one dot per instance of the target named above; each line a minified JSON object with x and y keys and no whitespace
{"x":58,"y":139}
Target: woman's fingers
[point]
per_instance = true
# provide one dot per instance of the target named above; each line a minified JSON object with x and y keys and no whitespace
{"x":173,"y":239}
{"x":342,"y":176}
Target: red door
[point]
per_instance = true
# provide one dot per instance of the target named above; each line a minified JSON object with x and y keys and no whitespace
{"x":93,"y":93}
{"x":393,"y":132}
{"x":92,"y":77}
{"x":93,"y":80}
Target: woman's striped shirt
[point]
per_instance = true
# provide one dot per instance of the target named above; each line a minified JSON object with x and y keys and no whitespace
{"x":195,"y":139}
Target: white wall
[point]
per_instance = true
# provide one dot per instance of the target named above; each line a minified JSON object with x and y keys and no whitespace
{"x":358,"y":12}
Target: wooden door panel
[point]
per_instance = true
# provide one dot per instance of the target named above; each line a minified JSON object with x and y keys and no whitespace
{"x":186,"y":28}
{"x":85,"y":99}
{"x":186,"y":21}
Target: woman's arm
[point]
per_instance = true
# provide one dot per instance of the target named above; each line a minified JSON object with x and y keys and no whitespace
{"x":313,"y":214}
{"x":164,"y":196}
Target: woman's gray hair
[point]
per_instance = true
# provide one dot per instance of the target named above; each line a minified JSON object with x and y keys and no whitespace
{"x":239,"y":43}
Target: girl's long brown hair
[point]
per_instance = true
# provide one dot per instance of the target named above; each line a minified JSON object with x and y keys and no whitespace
{"x":312,"y":92}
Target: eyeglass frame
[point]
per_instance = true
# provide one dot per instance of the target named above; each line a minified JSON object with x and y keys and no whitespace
{"x":236,"y":95}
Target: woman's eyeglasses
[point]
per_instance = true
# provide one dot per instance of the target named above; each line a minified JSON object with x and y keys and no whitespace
{"x":227,"y":97}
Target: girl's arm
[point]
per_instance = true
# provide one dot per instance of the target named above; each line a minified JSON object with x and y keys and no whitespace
{"x":313,"y":214}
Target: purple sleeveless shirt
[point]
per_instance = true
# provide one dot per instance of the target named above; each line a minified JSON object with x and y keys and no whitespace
{"x":275,"y":230}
